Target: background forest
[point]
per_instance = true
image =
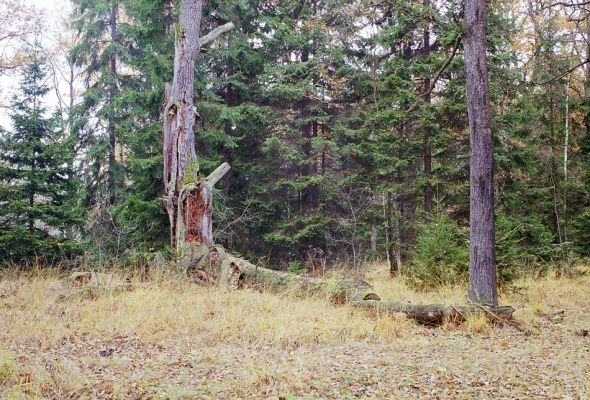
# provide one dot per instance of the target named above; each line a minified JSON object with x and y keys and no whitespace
{"x":345,"y":123}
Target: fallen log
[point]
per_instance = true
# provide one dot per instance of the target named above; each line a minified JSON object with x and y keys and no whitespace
{"x":432,"y":314}
{"x":237,"y":272}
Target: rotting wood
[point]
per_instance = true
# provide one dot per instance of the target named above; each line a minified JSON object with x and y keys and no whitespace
{"x":237,"y":272}
{"x":434,"y":314}
{"x":187,"y":199}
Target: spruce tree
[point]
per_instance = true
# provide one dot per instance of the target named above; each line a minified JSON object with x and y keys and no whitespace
{"x":37,"y":185}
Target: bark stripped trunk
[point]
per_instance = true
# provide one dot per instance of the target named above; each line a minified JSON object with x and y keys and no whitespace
{"x":180,"y":161}
{"x":482,"y":256}
{"x":187,"y":198}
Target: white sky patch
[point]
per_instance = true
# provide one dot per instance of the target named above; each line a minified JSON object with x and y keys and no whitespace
{"x":55,"y":14}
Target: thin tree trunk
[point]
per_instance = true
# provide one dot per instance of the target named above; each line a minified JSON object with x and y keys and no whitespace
{"x":113,"y":94}
{"x":482,"y":255}
{"x":392,"y":230}
{"x":553,"y":172}
{"x":565,"y":156}
{"x":227,"y":127}
{"x":587,"y":79}
{"x":427,"y":156}
{"x":308,"y":195}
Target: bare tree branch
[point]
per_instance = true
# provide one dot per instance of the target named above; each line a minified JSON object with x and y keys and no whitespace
{"x":564,"y":73}
{"x":563,"y":3}
{"x":215,"y":33}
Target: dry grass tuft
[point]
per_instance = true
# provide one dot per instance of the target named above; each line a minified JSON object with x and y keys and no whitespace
{"x":476,"y":323}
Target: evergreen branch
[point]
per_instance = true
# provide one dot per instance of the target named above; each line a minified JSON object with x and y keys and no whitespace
{"x":439,"y":73}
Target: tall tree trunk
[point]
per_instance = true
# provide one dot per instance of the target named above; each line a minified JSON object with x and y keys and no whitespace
{"x":227,"y":127}
{"x":587,"y":80}
{"x":565,"y":155}
{"x":308,"y":195}
{"x":113,"y":93}
{"x":482,"y":255}
{"x":553,"y":172}
{"x":180,"y":161}
{"x":392,"y":233}
{"x":427,"y":156}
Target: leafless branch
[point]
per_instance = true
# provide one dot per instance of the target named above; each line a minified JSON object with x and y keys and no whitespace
{"x":215,"y":33}
{"x":564,"y":73}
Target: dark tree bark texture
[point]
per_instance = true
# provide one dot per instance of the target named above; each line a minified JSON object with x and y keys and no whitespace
{"x":482,"y":256}
{"x":427,"y":156}
{"x":113,"y":90}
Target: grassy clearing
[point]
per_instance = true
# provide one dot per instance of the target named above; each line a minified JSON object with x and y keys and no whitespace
{"x":170,"y":339}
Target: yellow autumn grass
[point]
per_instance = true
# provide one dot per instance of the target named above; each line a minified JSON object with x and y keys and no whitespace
{"x":174,"y":313}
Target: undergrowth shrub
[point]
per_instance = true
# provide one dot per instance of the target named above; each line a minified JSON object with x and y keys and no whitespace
{"x":441,"y":255}
{"x":523,"y":246}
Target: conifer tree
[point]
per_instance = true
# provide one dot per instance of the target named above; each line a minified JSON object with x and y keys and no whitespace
{"x":37,"y":186}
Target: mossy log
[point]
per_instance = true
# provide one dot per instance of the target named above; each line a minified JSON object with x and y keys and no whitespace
{"x":236,"y":272}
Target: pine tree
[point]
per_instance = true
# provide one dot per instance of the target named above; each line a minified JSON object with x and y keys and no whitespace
{"x":482,"y":257}
{"x":37,"y":185}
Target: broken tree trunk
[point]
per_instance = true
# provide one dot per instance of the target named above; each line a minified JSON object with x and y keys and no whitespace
{"x":187,"y":198}
{"x":237,"y":272}
{"x":195,"y":208}
{"x":180,"y":161}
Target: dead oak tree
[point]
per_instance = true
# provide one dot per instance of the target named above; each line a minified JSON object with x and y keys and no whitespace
{"x":187,"y":197}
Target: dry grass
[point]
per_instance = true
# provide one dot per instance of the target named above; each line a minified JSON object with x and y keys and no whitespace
{"x":171,"y":339}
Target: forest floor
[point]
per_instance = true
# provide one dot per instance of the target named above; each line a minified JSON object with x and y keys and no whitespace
{"x":169,"y":339}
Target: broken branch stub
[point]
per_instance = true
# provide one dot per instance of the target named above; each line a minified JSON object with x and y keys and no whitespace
{"x":196,"y":210}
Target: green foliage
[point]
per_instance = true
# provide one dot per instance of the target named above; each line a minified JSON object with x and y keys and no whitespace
{"x":523,"y":245}
{"x":38,"y":203}
{"x":320,"y":110}
{"x":441,"y":255}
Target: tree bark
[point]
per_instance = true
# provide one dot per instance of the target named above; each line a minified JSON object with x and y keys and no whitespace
{"x":180,"y":162}
{"x":113,"y":93}
{"x":482,"y":256}
{"x":427,"y":156}
{"x":188,"y":198}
